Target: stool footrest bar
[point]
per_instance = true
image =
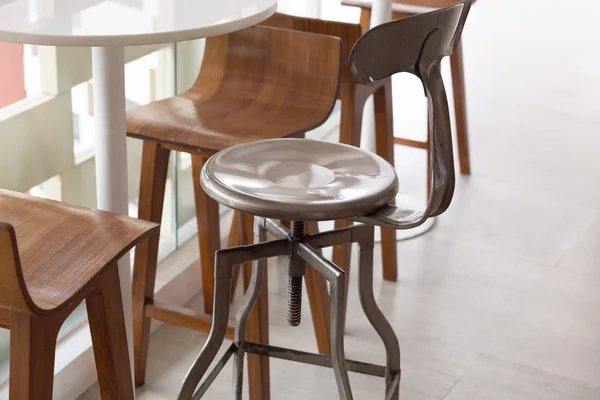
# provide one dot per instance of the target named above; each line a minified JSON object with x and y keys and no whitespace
{"x":311,"y":358}
{"x":215,"y":372}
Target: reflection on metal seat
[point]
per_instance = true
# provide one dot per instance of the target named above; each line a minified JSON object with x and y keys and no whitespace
{"x":300,"y":180}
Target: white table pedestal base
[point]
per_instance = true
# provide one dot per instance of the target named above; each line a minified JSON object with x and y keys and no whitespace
{"x":108,"y":72}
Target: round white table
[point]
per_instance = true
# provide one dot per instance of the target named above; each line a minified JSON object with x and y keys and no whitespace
{"x":107,"y":26}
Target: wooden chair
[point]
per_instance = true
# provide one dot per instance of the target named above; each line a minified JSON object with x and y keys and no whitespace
{"x":353,"y":96}
{"x":52,"y":257}
{"x":403,"y":9}
{"x":258,"y":83}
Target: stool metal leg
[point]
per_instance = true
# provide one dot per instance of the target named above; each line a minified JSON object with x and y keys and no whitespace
{"x":238,"y":374}
{"x":365,"y":239}
{"x":217,"y":331}
{"x":338,"y":319}
{"x":336,"y":278}
{"x":248,"y":303}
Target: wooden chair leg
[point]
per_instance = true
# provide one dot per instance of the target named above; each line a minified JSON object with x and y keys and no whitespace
{"x":109,"y":338}
{"x":32,"y":348}
{"x":258,"y":325}
{"x":353,"y":99}
{"x":209,"y":237}
{"x":384,"y":135}
{"x":460,"y":108}
{"x":155,"y":164}
{"x":365,"y":19}
{"x":318,"y":298}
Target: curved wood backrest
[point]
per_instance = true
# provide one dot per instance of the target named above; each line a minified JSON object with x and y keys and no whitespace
{"x":417,"y":45}
{"x":13,"y":292}
{"x":348,"y":33}
{"x":271,"y":67}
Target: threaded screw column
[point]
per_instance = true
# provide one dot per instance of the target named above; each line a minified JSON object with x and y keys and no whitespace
{"x":294,"y":309}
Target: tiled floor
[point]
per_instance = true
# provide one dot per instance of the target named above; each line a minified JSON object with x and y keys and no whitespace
{"x":500,"y":300}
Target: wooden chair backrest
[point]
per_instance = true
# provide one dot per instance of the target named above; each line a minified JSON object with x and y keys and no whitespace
{"x":271,"y":66}
{"x":348,"y":33}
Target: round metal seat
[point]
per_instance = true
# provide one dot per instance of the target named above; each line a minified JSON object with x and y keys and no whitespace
{"x":300,"y":180}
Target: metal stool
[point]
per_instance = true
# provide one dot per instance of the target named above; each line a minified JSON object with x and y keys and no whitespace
{"x":306,"y":180}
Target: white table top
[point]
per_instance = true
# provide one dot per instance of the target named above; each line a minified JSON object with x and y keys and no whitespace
{"x":125,"y":22}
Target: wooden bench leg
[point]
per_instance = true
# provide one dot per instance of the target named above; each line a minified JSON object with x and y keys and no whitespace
{"x":384,"y":135}
{"x":32,"y":348}
{"x":460,"y":109}
{"x":155,"y":164}
{"x":107,"y":325}
{"x":258,"y":325}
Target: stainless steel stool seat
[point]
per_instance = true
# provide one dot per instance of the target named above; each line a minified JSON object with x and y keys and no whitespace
{"x":304,"y":180}
{"x":300,"y":180}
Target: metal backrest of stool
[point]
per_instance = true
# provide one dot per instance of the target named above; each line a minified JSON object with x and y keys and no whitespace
{"x":417,"y":45}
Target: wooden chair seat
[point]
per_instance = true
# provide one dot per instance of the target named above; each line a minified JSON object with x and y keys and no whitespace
{"x":211,"y":124}
{"x":63,"y":248}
